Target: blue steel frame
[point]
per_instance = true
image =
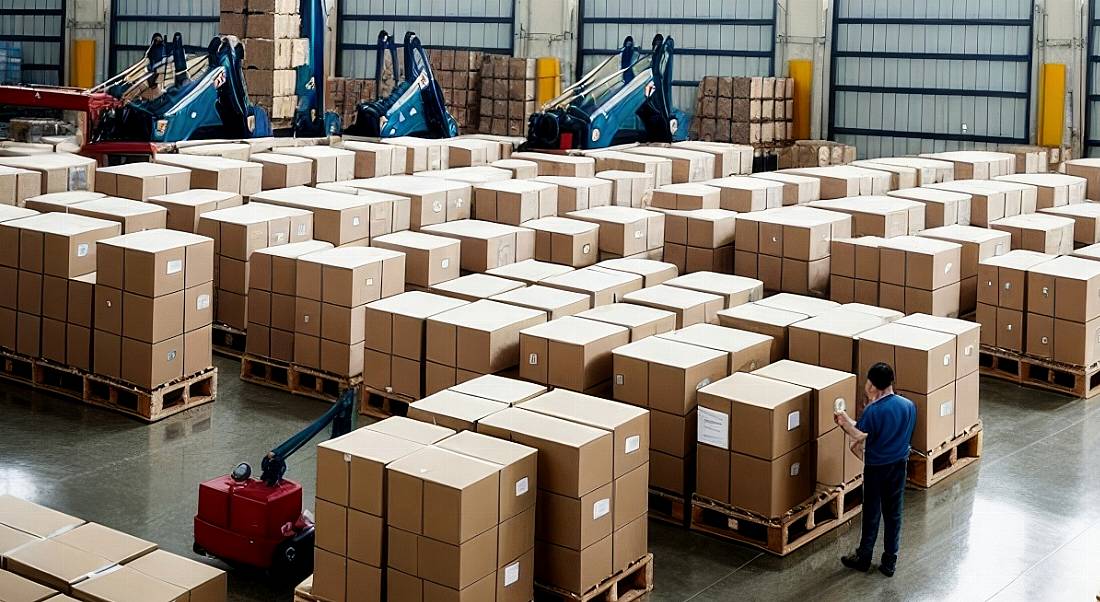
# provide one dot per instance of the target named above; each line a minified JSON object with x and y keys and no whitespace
{"x":644,"y":44}
{"x":58,"y":39}
{"x":116,"y":19}
{"x":1091,"y":141}
{"x":344,"y":17}
{"x":834,"y":88}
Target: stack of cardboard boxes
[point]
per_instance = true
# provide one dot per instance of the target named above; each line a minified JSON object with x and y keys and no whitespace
{"x":459,"y":75}
{"x":154,"y":306}
{"x":507,"y":95}
{"x":882,"y":216}
{"x":789,"y":248}
{"x":140,"y":181}
{"x":816,"y":153}
{"x":626,"y":231}
{"x":1040,"y":232}
{"x":338,"y":218}
{"x":273,"y":48}
{"x":977,"y":165}
{"x":184,"y":208}
{"x":978,"y":244}
{"x":17,"y":185}
{"x":272,"y":282}
{"x":1003,"y":297}
{"x":332,"y":290}
{"x":218,"y":173}
{"x":1062,"y":322}
{"x":53,"y":172}
{"x":855,"y":270}
{"x":345,"y":94}
{"x":700,"y":240}
{"x":237,"y":232}
{"x":744,"y":110}
{"x":49,"y":555}
{"x":571,"y":353}
{"x":991,"y":200}
{"x":920,"y":275}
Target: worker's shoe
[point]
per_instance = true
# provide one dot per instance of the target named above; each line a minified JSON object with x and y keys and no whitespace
{"x":888,"y":565}
{"x":856,"y":562}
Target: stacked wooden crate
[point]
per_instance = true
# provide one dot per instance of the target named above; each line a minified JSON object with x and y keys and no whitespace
{"x":459,"y":75}
{"x":507,"y":95}
{"x":745,"y":110}
{"x":345,"y":94}
{"x":270,"y":31}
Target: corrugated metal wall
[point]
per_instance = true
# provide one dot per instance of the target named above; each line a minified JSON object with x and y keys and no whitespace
{"x":38,"y":26}
{"x":1092,"y":106}
{"x":133,"y":23}
{"x":485,"y":25}
{"x":712,"y":37}
{"x":930,"y":75}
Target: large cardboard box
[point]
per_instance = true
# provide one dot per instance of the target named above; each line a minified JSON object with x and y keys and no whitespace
{"x":139,"y":181}
{"x":17,"y":185}
{"x":797,"y":189}
{"x":835,"y":462}
{"x":515,"y":201}
{"x":184,"y":208}
{"x":499,"y":388}
{"x":700,"y":228}
{"x":735,"y":290}
{"x":338,"y":218}
{"x":628,"y":189}
{"x":883,"y":216}
{"x":429,"y":259}
{"x":54,"y":243}
{"x":19,"y":588}
{"x":744,"y":194}
{"x":659,"y":169}
{"x":687,"y":165}
{"x":1052,"y":189}
{"x":275,"y":269}
{"x":518,"y":476}
{"x":686,"y":197}
{"x":113,"y":545}
{"x":900,"y":176}
{"x":772,"y":487}
{"x":395,"y":325}
{"x":1040,"y":232}
{"x":625,"y":231}
{"x":560,"y":165}
{"x":832,"y":390}
{"x":420,"y":154}
{"x":481,"y":337}
{"x":30,"y":518}
{"x":941,"y":207}
{"x":218,"y":173}
{"x":967,"y":333}
{"x":830,"y":340}
{"x":565,"y":241}
{"x":747,"y":351}
{"x":929,"y":171}
{"x":330,"y":164}
{"x":642,"y":321}
{"x":127,"y":585}
{"x":556,"y":303}
{"x":978,"y":244}
{"x":575,"y":194}
{"x":758,"y":416}
{"x":487,"y":245}
{"x":150,"y":365}
{"x":923,"y":360}
{"x":664,"y":374}
{"x":350,"y":276}
{"x":203,"y":582}
{"x":472,"y":287}
{"x":569,"y":352}
{"x":238,"y":231}
{"x":979,"y":165}
{"x":55,"y":564}
{"x":765,"y":320}
{"x":1066,"y":288}
{"x":350,"y":468}
{"x":373,"y":159}
{"x":653,"y":272}
{"x":401,"y":206}
{"x":530,"y":271}
{"x":58,"y":172}
{"x":604,"y":286}
{"x":155,"y":262}
{"x":1002,"y":279}
{"x":839,"y":181}
{"x":690,"y":306}
{"x":283,"y":170}
{"x":433,"y":201}
{"x":1086,"y":220}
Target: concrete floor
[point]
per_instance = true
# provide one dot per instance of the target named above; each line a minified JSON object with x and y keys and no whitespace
{"x":1024,"y":524}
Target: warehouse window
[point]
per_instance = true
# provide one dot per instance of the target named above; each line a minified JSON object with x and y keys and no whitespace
{"x":925,"y":76}
{"x":32,"y":41}
{"x":480,"y":25}
{"x":711,"y":38}
{"x":133,"y":23}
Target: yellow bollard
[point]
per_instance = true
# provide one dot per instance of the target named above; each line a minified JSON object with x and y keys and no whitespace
{"x":82,"y":65}
{"x":1052,"y":104}
{"x":802,"y":72}
{"x":548,"y":79}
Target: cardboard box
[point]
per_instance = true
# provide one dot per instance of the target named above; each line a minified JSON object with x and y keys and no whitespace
{"x":747,"y":351}
{"x":396,"y":325}
{"x":124,"y":585}
{"x":560,"y":165}
{"x":628,"y":188}
{"x":1002,"y":280}
{"x":883,"y":216}
{"x":204,"y":583}
{"x":481,"y":337}
{"x":735,"y":290}
{"x":1040,"y":232}
{"x":569,"y":352}
{"x":350,"y":276}
{"x":831,"y":339}
{"x":574,"y":459}
{"x":744,"y":194}
{"x":53,"y":243}
{"x":978,"y":244}
{"x":923,"y":360}
{"x":350,"y":468}
{"x":530,"y":271}
{"x":150,"y":365}
{"x":152,"y":319}
{"x":556,"y":303}
{"x":155,"y":262}
{"x":515,"y":201}
{"x":1065,"y":287}
{"x":659,"y":169}
{"x":642,"y":321}
{"x":573,"y":570}
{"x":754,"y":415}
{"x":604,"y":286}
{"x":330,"y":164}
{"x":1051,"y":189}
{"x":30,"y":518}
{"x":284,"y":170}
{"x":575,"y":194}
{"x":498,"y":388}
{"x":453,"y":410}
{"x":979,"y":165}
{"x":941,"y":207}
{"x":929,"y":263}
{"x":565,"y":241}
{"x":935,"y":417}
{"x":967,"y":338}
{"x":374,"y":159}
{"x":797,"y":189}
{"x":653,"y":272}
{"x":139,"y":181}
{"x":766,"y":320}
{"x":338,"y":218}
{"x":238,"y":231}
{"x":184,"y":208}
{"x":473,"y":287}
{"x":625,"y":231}
{"x":429,"y":259}
{"x":19,"y":185}
{"x":486,"y":245}
{"x":19,"y":588}
{"x":58,"y":172}
{"x":275,"y":268}
{"x":518,"y":474}
{"x":521,"y":169}
{"x":687,"y":165}
{"x":831,"y":389}
{"x":686,"y":197}
{"x":690,"y":306}
{"x":218,"y":173}
{"x":1086,"y":218}
{"x":839,"y":181}
{"x":113,"y":545}
{"x":665,"y":374}
{"x":54,"y":564}
{"x":772,"y":487}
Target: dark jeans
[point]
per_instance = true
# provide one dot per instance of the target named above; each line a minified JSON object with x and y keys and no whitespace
{"x":883,"y":492}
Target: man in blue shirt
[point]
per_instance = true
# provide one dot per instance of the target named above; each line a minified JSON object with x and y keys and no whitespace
{"x":882,"y":433}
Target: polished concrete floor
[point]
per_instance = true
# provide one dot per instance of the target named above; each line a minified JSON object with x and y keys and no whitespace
{"x":1023,"y":524}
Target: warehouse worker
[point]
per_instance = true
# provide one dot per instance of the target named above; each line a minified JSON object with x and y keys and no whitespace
{"x":883,"y":433}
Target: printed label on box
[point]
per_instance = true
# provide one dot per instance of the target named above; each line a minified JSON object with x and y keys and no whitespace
{"x":355,"y":221}
{"x":521,"y":486}
{"x":947,"y":408}
{"x":82,"y":250}
{"x":839,"y":405}
{"x":619,"y":379}
{"x":714,"y":428}
{"x":702,"y":383}
{"x":533,"y":359}
{"x":202,"y":302}
{"x":301,"y":229}
{"x":795,"y":468}
{"x":947,"y":359}
{"x":78,"y":178}
{"x":794,"y":419}
{"x":174,"y":267}
{"x":446,"y":263}
{"x":601,"y":508}
{"x":511,"y":574}
{"x":633,"y":443}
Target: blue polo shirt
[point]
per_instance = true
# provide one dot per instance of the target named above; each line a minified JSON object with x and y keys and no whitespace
{"x":889,"y":424}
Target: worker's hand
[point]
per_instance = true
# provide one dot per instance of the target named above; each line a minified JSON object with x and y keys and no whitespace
{"x":840,"y":417}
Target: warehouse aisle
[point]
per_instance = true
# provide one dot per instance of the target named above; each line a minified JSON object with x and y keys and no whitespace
{"x":1023,"y":523}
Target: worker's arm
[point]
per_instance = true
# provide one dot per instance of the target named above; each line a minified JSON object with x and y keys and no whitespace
{"x":857,"y":449}
{"x":849,"y":426}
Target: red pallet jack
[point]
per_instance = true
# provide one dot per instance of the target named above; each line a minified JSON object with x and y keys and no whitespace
{"x":259,"y":522}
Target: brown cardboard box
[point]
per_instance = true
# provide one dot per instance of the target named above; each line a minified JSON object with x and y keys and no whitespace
{"x":152,"y":319}
{"x":134,"y":216}
{"x":665,"y":374}
{"x":1076,"y":343}
{"x":156,"y":262}
{"x":690,"y":306}
{"x":772,"y":487}
{"x":560,"y":165}
{"x":686,"y":197}
{"x":374,"y":159}
{"x":350,"y":276}
{"x":350,"y":468}
{"x":923,"y":360}
{"x":929,"y":263}
{"x":1040,"y":232}
{"x":184,"y":208}
{"x":125,"y":585}
{"x":575,"y":194}
{"x":556,"y":303}
{"x":421,"y":154}
{"x":653,"y":272}
{"x":659,"y":169}
{"x":282,"y":170}
{"x":574,"y":459}
{"x":150,"y":365}
{"x":978,"y":244}
{"x":453,"y":410}
{"x":433,"y":200}
{"x":515,"y":201}
{"x":329,"y":575}
{"x":687,"y":165}
{"x":113,"y":545}
{"x":21,"y":589}
{"x":396,"y":324}
{"x":338,"y":218}
{"x":831,"y":339}
{"x":30,"y":518}
{"x":521,"y":169}
{"x":575,"y":523}
{"x":486,"y":332}
{"x":628,"y":188}
{"x":1065,"y":287}
{"x":942,"y":207}
{"x":569,"y":352}
{"x":205,"y":583}
{"x":625,"y":231}
{"x":572,"y":570}
{"x":429,"y":259}
{"x":935,"y":417}
{"x":139,"y":181}
{"x":967,"y":338}
{"x":604,"y":286}
{"x":275,"y":268}
{"x":58,"y":171}
{"x":797,"y":189}
{"x":744,"y":194}
{"x":388,"y":212}
{"x":486,"y":245}
{"x":831,"y":389}
{"x":747,"y":351}
{"x":54,"y":243}
{"x":765,"y":320}
{"x":641,"y":320}
{"x":706,"y":228}
{"x":530,"y":271}
{"x":1002,"y":280}
{"x":497,"y":388}
{"x":628,"y":425}
{"x":518,"y":476}
{"x":473,"y":287}
{"x":238,"y":231}
{"x":54,"y":564}
{"x":883,"y":216}
{"x":566,"y":241}
{"x":761,"y":417}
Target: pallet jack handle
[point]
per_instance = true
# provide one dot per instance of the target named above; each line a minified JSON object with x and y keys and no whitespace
{"x":341,"y":415}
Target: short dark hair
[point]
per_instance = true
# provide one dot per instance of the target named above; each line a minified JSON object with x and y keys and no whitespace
{"x":881,"y":375}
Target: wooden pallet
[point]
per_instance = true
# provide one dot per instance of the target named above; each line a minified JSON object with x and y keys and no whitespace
{"x":669,"y":507}
{"x":631,"y":583}
{"x":296,"y":379}
{"x":17,"y":367}
{"x":926,"y":470}
{"x":816,"y":516}
{"x":63,"y":380}
{"x":1042,"y":373}
{"x":228,"y":341}
{"x":304,"y":591}
{"x":154,"y":404}
{"x":383,"y":404}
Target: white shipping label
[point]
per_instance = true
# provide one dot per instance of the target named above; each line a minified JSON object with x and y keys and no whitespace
{"x":279,"y":238}
{"x":794,"y":419}
{"x":969,"y":350}
{"x":633,"y":443}
{"x":172,"y":355}
{"x":511,"y":574}
{"x":702,"y":383}
{"x":437,"y":207}
{"x":522,"y":486}
{"x":458,"y":202}
{"x":174,"y":267}
{"x":82,"y":249}
{"x":638,"y":234}
{"x":947,"y":408}
{"x":355,"y":220}
{"x":533,"y":359}
{"x":601,"y":508}
{"x":202,"y":302}
{"x":78,"y":178}
{"x":370,"y":281}
{"x":305,"y":319}
{"x":947,"y":268}
{"x":947,"y":359}
{"x":713,"y":428}
{"x":301,"y":229}
{"x":586,"y":249}
{"x":446,"y":263}
{"x":1000,"y":249}
{"x":795,"y":468}
{"x":619,"y":379}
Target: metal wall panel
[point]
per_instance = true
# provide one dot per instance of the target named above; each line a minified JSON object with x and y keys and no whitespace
{"x":38,"y":26}
{"x":484,"y":25}
{"x":712,"y":37}
{"x":930,"y":75}
{"x":1092,"y":100}
{"x":133,"y":23}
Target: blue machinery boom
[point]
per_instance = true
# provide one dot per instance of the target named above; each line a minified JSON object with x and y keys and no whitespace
{"x":615,"y":103}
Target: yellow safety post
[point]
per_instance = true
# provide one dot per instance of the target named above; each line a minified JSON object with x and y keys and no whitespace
{"x":82,"y":67}
{"x":548,"y":82}
{"x":1052,"y":104}
{"x":802,"y":72}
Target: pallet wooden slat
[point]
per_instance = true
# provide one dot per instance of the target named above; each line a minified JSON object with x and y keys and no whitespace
{"x":228,"y":341}
{"x":296,"y":379}
{"x":383,"y":404}
{"x":828,"y":509}
{"x":1042,"y":373}
{"x":304,"y":591}
{"x":926,"y":470}
{"x":669,"y":507}
{"x":629,"y":584}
